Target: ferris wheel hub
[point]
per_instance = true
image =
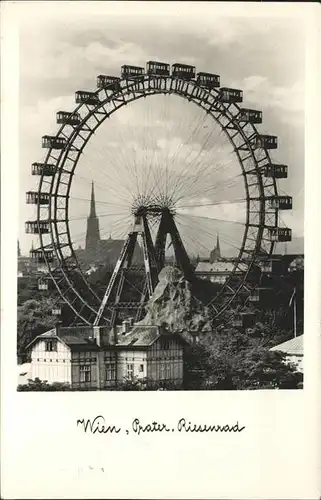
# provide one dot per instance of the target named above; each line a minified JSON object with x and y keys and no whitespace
{"x":153,"y":207}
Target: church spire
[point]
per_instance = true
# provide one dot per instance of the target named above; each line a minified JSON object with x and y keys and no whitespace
{"x":92,"y":201}
{"x":92,"y":233}
{"x":218,"y":249}
{"x":216,"y":252}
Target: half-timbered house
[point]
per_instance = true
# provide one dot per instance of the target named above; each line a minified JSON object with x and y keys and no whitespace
{"x":101,"y":357}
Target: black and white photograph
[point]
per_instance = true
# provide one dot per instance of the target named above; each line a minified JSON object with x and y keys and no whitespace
{"x":160,"y":250}
{"x":161,"y":203}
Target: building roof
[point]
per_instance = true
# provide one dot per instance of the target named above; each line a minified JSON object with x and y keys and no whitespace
{"x":293,"y":346}
{"x":80,"y":338}
{"x":146,"y":335}
{"x":71,"y":336}
{"x":215,"y":267}
{"x":140,"y":336}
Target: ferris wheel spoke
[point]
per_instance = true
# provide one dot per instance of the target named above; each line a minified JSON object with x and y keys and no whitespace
{"x":188,"y":235}
{"x":101,"y":215}
{"x":211,"y":233}
{"x":198,"y":183}
{"x":214,"y":203}
{"x":160,"y":153}
{"x":182,"y":176}
{"x":173,"y":160}
{"x":214,"y":188}
{"x":199,"y":164}
{"x":203,"y":217}
{"x":104,"y":174}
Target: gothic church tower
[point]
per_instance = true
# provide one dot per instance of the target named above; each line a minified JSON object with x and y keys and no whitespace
{"x":92,"y":234}
{"x":216,"y":252}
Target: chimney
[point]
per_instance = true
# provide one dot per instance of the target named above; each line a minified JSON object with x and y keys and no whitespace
{"x":58,"y":327}
{"x":125,"y":327}
{"x":114,"y":335}
{"x":97,"y":335}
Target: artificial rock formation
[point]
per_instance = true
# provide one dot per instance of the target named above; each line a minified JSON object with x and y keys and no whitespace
{"x":173,"y":305}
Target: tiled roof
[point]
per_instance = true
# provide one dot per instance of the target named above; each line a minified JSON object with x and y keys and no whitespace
{"x":72,"y":336}
{"x":145,"y":335}
{"x":78,"y":336}
{"x":140,"y":336}
{"x":82,"y":337}
{"x":49,"y":334}
{"x":292,"y":346}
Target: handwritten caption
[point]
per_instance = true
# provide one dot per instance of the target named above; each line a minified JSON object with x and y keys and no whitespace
{"x":98,"y":425}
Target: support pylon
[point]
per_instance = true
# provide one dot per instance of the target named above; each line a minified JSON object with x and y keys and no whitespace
{"x":140,"y":228}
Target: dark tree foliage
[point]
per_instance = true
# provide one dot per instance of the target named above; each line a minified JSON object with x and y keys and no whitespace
{"x":34,"y":317}
{"x":231,"y":360}
{"x":43,"y":385}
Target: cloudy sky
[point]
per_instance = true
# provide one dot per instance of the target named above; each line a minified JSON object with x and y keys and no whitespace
{"x":64,"y":47}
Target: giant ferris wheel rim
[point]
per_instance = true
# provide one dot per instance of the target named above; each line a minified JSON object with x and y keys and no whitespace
{"x":129,"y":86}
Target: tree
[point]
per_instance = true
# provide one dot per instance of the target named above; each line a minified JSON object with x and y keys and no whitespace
{"x":232,"y":360}
{"x":34,"y":318}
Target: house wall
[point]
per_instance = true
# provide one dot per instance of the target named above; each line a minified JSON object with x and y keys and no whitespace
{"x":108,"y":369}
{"x":53,"y":366}
{"x":165,"y":364}
{"x":131,"y":364}
{"x":84,"y":369}
{"x":103,"y":369}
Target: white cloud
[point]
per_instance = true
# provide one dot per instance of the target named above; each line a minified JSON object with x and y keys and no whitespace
{"x":260,"y":91}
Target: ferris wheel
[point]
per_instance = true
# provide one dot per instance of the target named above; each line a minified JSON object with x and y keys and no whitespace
{"x":175,"y":160}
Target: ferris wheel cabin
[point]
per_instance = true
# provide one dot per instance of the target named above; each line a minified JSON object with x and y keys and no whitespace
{"x":231,"y":95}
{"x":250,"y":116}
{"x":42,"y":284}
{"x":276,"y":171}
{"x":56,"y":310}
{"x":42,"y":256}
{"x":208,"y":80}
{"x":53,"y":142}
{"x":35,"y":198}
{"x":86,"y":97}
{"x":67,"y":118}
{"x":112,"y":82}
{"x":280,"y":234}
{"x":265,"y":142}
{"x":244,"y":320}
{"x":183,"y":71}
{"x":129,"y":72}
{"x":260,"y":294}
{"x":157,"y":68}
{"x":44,"y":169}
{"x":281,"y":202}
{"x":37,"y":227}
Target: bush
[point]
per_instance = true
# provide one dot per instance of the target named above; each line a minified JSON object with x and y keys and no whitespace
{"x":43,"y":385}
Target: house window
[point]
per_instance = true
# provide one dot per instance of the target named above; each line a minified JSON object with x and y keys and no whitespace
{"x":85,"y":373}
{"x":168,"y":371}
{"x":162,"y":371}
{"x":51,"y":345}
{"x":110,"y":371}
{"x":141,"y":368}
{"x":130,"y":371}
{"x":164,"y":344}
